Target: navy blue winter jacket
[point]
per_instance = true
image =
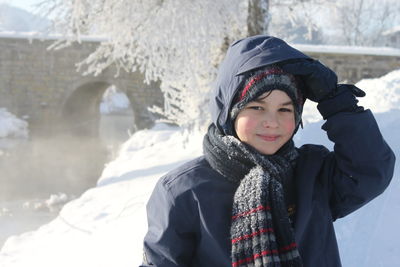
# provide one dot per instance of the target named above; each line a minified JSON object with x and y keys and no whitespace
{"x":189,"y":212}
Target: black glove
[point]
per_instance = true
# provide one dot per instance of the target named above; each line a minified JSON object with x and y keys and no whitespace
{"x":319,"y":80}
{"x":342,"y":99}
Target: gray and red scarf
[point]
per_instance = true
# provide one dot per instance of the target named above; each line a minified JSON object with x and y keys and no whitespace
{"x":261,"y":231}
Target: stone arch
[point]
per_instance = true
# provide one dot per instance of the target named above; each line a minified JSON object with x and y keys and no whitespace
{"x":142,"y":96}
{"x":80,"y":111}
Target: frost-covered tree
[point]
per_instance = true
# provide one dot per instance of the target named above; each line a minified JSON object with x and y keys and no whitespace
{"x":299,"y":21}
{"x":177,"y":42}
{"x":362,"y":22}
{"x":343,"y":22}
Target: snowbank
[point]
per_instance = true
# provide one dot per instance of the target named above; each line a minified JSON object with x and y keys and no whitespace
{"x":11,"y":126}
{"x":106,"y":225}
{"x":383,"y":94}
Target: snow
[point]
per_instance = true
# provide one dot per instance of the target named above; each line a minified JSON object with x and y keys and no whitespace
{"x":11,"y":126}
{"x":382,"y":100}
{"x":106,"y":225}
{"x":354,"y":50}
{"x":41,"y":36}
{"x":393,"y":30}
{"x":113,"y":101}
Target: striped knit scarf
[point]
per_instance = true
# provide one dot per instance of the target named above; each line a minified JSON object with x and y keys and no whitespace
{"x":261,"y":232}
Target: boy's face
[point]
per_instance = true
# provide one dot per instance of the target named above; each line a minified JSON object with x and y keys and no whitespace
{"x":266,"y":123}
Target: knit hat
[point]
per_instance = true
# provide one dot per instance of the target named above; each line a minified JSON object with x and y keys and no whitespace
{"x":267,"y":79}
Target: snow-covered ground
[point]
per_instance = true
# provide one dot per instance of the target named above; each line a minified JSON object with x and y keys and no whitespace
{"x":106,"y":225}
{"x":11,"y":126}
{"x":13,"y":130}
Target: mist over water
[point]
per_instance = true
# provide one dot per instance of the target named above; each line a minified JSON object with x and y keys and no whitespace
{"x":50,"y":164}
{"x":47,"y":164}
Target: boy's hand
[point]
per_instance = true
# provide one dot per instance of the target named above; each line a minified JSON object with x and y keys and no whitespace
{"x":319,"y":80}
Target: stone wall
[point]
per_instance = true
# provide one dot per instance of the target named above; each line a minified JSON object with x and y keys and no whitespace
{"x":44,"y":86}
{"x":354,"y":64}
{"x":37,"y":84}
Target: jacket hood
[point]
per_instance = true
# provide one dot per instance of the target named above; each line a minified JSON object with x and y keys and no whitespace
{"x":243,"y":56}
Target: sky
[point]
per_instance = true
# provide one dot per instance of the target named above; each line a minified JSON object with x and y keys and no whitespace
{"x":105,"y":226}
{"x":28,"y":5}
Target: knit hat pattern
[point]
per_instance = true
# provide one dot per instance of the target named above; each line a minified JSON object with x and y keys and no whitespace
{"x":267,"y":79}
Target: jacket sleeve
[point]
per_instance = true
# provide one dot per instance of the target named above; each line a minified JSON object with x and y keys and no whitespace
{"x":362,"y":164}
{"x":169,"y":242}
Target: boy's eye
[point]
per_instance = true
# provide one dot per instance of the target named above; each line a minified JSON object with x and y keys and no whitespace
{"x":285,"y":110}
{"x":255,"y":107}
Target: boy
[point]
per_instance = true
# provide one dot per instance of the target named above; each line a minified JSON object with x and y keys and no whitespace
{"x":254,"y":199}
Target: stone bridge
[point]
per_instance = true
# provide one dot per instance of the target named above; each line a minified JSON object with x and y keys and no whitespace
{"x":44,"y":86}
{"x":352,"y":64}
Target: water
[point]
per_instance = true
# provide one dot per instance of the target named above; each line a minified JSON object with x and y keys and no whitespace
{"x":114,"y":130}
{"x":19,"y":216}
{"x":32,"y":170}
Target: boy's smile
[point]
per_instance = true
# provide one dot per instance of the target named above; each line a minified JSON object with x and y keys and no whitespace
{"x":269,"y":137}
{"x":266,"y":123}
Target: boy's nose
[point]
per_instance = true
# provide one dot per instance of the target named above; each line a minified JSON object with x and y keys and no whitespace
{"x":270,"y":121}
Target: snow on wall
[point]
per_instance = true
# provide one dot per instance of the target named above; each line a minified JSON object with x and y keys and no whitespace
{"x":354,"y":50}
